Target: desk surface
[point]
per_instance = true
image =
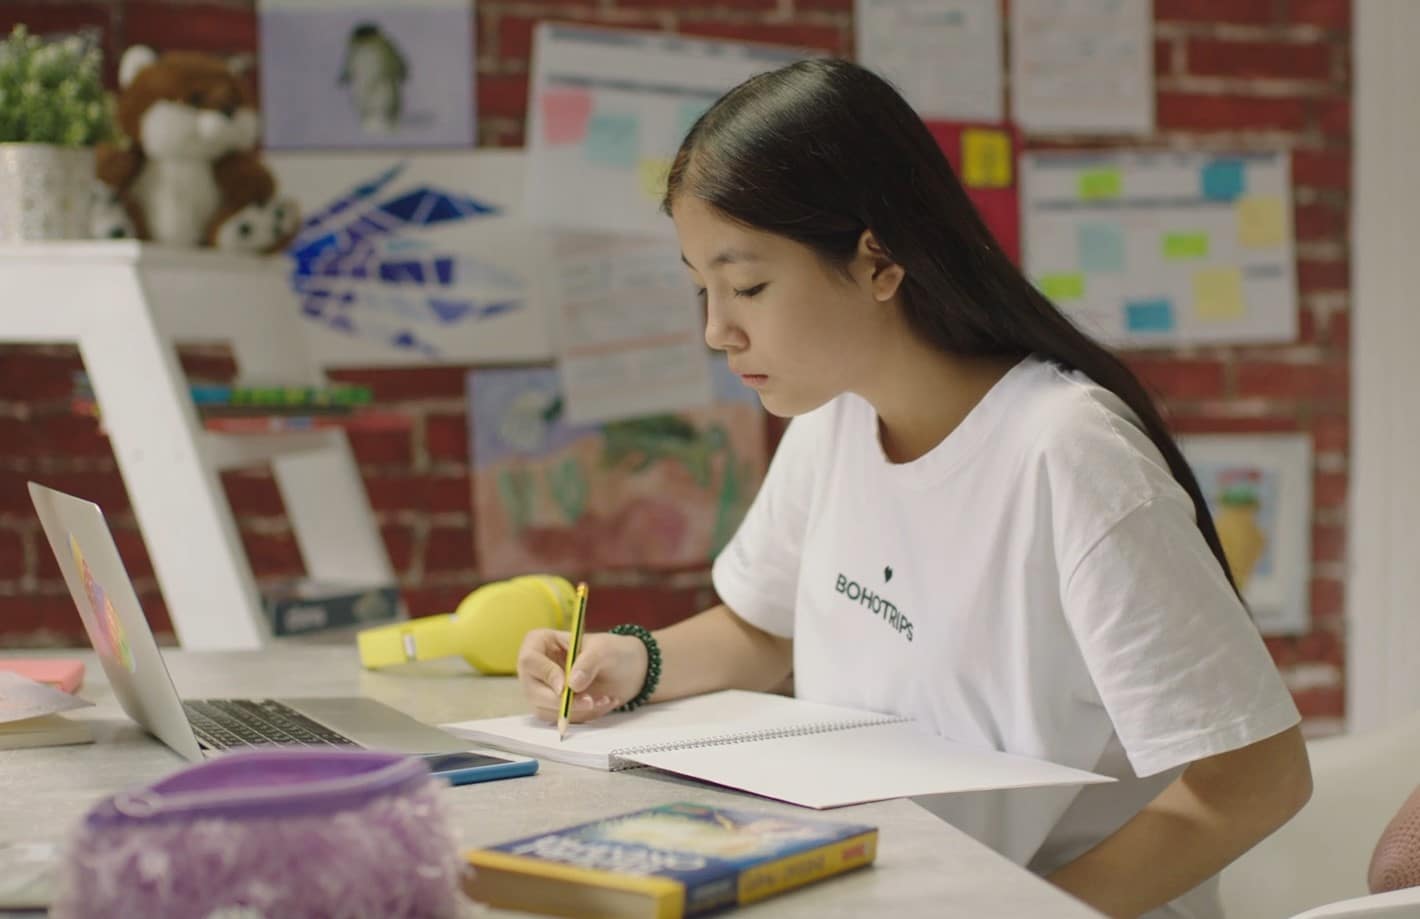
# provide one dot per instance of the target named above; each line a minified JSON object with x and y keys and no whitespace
{"x":924,"y":866}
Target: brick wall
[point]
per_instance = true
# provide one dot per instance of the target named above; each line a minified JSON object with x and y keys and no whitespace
{"x":1231,"y":73}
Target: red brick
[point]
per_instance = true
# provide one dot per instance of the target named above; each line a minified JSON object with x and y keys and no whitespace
{"x":50,"y":19}
{"x":1185,"y":424}
{"x":382,"y":447}
{"x":651,"y":606}
{"x":1248,"y":12}
{"x":1163,"y":57}
{"x":1321,"y":169}
{"x":827,"y":6}
{"x":435,"y":600}
{"x":1181,"y":379}
{"x":131,"y":551}
{"x":1321,"y":702}
{"x":1268,"y":59}
{"x":822,"y":38}
{"x":446,"y":438}
{"x":1318,"y":222}
{"x":1306,"y":325}
{"x":1321,"y":647}
{"x":1208,"y":113}
{"x":426,"y":493}
{"x":12,"y":555}
{"x":30,"y":374}
{"x":273,"y":554}
{"x":1329,"y":489}
{"x":449,"y":549}
{"x":409,"y":383}
{"x":1328,"y":543}
{"x":104,"y":487}
{"x":52,"y":434}
{"x":253,"y":494}
{"x":1293,"y":381}
{"x":1328,"y":14}
{"x":1338,"y":329}
{"x":504,"y":95}
{"x":1334,"y":117}
{"x":208,"y":364}
{"x":399,"y":546}
{"x":1317,"y":276}
{"x":1331,"y":433}
{"x":501,"y":133}
{"x":217,"y":29}
{"x":679,"y":6}
{"x":48,"y":618}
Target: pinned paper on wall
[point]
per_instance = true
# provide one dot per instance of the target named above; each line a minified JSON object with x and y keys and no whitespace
{"x":984,"y":158}
{"x":609,"y":111}
{"x":1158,"y":248}
{"x":944,"y":56}
{"x":1081,"y":66}
{"x":413,"y":259}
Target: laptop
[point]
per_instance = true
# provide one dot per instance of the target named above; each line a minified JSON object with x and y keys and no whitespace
{"x":198,"y":728}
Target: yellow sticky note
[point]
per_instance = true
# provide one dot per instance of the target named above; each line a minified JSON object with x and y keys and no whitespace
{"x":1063,"y":286}
{"x":1181,"y":246}
{"x":1261,"y":221}
{"x":986,"y":158}
{"x":651,"y":174}
{"x":1217,"y":293}
{"x":1101,"y":184}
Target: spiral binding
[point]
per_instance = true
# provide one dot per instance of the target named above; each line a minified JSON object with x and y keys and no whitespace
{"x":620,"y":764}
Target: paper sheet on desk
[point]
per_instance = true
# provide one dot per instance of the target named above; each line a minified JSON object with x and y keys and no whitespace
{"x":895,"y":760}
{"x":22,"y":698}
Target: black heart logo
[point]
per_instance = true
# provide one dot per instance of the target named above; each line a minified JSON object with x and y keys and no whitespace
{"x":887,"y":573}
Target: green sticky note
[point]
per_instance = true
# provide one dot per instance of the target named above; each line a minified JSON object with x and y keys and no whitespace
{"x":1063,"y":286}
{"x":1101,"y":184}
{"x":613,"y":140}
{"x":1183,"y":246}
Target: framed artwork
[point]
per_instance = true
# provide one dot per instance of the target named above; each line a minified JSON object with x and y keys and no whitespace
{"x":1259,"y":489}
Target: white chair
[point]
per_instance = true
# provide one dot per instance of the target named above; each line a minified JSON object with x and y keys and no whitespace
{"x":1394,"y":904}
{"x":1321,"y":856}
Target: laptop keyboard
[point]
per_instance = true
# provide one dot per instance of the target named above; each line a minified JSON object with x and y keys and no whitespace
{"x":222,"y":724}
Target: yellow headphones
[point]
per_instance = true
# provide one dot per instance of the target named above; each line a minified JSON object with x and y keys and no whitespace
{"x":486,"y":630}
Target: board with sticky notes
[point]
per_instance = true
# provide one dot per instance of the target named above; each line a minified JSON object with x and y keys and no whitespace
{"x":984,"y":157}
{"x":607,"y":112}
{"x":1161,"y":247}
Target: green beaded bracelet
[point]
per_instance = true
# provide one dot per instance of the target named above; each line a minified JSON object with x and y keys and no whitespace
{"x":653,"y":664}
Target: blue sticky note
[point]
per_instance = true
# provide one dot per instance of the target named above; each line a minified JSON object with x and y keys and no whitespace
{"x":687,"y":115}
{"x":1101,"y":247}
{"x":1148,"y":316}
{"x":1224,"y":179}
{"x":613,"y":140}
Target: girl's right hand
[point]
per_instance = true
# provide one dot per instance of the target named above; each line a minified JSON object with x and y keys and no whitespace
{"x":609,"y":671}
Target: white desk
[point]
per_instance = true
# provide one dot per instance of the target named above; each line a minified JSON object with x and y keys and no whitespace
{"x":925,"y":867}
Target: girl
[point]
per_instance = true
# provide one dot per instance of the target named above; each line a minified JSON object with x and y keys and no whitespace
{"x":976,"y":518}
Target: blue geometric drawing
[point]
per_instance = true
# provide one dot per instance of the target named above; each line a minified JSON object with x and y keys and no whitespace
{"x":356,"y":272}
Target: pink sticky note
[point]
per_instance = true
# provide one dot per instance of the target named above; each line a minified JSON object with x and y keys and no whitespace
{"x":565,"y":113}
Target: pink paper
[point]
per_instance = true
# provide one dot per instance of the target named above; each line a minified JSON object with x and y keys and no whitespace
{"x":565,"y":113}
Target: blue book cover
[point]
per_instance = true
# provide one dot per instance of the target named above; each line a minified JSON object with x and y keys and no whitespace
{"x":666,"y":862}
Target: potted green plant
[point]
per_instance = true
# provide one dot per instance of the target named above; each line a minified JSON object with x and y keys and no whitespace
{"x":53,"y":110}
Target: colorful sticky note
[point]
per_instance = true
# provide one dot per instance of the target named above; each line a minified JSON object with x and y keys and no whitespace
{"x":564,"y":115}
{"x":651,"y":174}
{"x":1224,"y":179}
{"x":1101,"y":247}
{"x":1146,"y":316}
{"x":1183,"y":246}
{"x":1261,"y":221}
{"x":1101,"y":184}
{"x":1063,"y":286}
{"x":1217,"y":293}
{"x":986,"y":158}
{"x":613,"y":140}
{"x":687,"y":115}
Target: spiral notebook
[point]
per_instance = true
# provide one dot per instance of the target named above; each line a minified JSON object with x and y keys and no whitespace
{"x":805,"y":753}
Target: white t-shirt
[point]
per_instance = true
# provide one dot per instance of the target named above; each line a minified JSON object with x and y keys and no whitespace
{"x":1036,"y":583}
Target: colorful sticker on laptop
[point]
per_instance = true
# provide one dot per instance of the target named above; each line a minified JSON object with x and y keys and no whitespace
{"x":108,"y":630}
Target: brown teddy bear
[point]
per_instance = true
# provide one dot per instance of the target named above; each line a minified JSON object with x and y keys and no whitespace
{"x":190,"y":175}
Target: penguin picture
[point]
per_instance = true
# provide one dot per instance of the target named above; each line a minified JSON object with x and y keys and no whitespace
{"x":374,"y":72}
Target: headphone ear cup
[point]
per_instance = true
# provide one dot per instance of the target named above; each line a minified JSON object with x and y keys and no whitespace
{"x":495,"y":625}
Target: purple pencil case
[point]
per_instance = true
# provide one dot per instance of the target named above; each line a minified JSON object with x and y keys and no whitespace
{"x":265,"y":834}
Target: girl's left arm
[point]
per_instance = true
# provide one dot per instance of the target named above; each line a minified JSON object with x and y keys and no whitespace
{"x":1220,"y":807}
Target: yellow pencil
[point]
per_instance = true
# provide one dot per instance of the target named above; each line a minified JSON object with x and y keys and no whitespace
{"x":574,"y":644}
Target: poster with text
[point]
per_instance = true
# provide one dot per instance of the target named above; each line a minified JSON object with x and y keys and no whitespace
{"x":608,"y":110}
{"x":356,"y":74}
{"x":414,"y":259}
{"x":1164,"y":248}
{"x":944,"y":56}
{"x":1259,"y":490}
{"x":660,"y":491}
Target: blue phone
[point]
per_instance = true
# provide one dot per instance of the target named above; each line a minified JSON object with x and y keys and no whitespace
{"x":468,"y":767}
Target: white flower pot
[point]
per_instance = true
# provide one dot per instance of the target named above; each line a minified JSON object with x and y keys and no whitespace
{"x":45,"y":192}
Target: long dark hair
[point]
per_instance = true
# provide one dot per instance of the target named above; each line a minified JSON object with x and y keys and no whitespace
{"x":821,"y":150}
